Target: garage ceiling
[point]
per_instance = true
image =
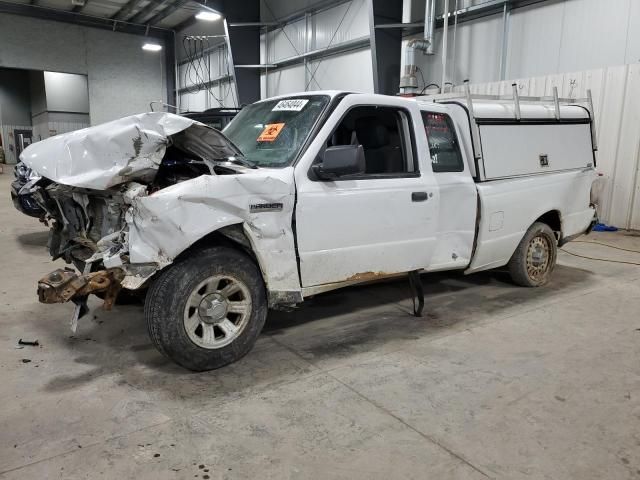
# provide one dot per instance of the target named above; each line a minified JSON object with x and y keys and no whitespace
{"x":154,"y":13}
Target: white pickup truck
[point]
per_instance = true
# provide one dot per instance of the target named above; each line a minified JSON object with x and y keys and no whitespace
{"x":303,"y":194}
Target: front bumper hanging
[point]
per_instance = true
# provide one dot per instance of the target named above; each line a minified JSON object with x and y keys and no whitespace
{"x":63,"y":285}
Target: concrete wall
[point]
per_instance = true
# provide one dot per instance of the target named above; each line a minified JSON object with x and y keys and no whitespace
{"x":15,"y":108}
{"x":15,"y":104}
{"x":37,"y":92}
{"x":122,"y":78}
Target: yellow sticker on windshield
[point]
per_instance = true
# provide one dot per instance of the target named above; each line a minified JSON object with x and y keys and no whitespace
{"x":270,"y":132}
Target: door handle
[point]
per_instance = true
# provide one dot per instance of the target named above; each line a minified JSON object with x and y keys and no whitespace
{"x":419,"y":196}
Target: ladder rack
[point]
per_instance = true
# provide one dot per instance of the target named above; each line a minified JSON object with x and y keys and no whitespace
{"x":516,"y":99}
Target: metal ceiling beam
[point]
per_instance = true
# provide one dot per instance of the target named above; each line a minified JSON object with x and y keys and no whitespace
{"x":149,"y":10}
{"x":78,"y":8}
{"x":174,"y":7}
{"x":45,"y":13}
{"x":126,"y":10}
{"x":473,"y":12}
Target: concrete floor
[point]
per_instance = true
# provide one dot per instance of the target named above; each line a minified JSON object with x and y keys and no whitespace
{"x":498,"y":381}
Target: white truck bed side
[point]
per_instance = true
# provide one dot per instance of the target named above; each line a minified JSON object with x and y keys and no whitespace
{"x":509,"y":207}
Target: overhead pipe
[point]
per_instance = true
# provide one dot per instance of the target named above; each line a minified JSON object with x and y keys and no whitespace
{"x":409,"y":81}
{"x":444,"y":46}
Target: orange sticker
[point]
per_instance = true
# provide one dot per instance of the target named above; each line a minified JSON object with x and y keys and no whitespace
{"x":270,"y":132}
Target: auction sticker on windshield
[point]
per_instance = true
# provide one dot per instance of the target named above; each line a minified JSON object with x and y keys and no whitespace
{"x":292,"y":105}
{"x":270,"y":132}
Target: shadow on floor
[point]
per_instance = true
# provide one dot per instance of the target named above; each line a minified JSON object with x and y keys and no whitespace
{"x":34,"y":239}
{"x":335,"y":326}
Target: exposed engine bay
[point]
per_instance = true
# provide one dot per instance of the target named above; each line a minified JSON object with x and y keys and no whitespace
{"x":85,"y":222}
{"x":89,"y":225}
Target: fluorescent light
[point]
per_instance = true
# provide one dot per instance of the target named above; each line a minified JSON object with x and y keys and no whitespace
{"x":208,"y":16}
{"x":152,"y":47}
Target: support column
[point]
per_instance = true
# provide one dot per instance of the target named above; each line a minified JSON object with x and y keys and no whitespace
{"x":244,"y":47}
{"x":386,"y":45}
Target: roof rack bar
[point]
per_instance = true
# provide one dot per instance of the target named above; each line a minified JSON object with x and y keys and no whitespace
{"x":516,"y":101}
{"x":467,"y":92}
{"x":594,"y":139}
{"x":522,"y":98}
{"x":556,"y":103}
{"x":475,"y":131}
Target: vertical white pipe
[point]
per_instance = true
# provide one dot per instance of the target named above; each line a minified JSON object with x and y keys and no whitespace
{"x":429,"y":24}
{"x":506,"y":15}
{"x":444,"y":45}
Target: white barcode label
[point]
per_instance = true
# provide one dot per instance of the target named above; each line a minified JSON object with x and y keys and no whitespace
{"x":290,"y":105}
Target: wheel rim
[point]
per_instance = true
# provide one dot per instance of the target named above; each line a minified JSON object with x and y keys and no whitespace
{"x":538,"y":257}
{"x":217,"y":311}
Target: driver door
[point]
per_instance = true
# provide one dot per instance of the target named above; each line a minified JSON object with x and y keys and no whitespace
{"x":376,"y":223}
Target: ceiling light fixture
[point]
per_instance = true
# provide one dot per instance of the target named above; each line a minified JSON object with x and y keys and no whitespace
{"x":152,"y":47}
{"x":208,"y":16}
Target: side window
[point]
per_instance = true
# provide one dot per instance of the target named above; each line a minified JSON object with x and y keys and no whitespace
{"x":385,"y":136}
{"x":443,"y":144}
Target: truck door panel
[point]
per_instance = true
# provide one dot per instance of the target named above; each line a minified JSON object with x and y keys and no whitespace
{"x":381,"y":222}
{"x":458,"y":194}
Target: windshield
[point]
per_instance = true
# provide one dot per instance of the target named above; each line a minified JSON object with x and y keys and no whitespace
{"x":271,"y":133}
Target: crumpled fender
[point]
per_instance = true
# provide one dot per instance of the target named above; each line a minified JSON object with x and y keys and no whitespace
{"x":164,"y":224}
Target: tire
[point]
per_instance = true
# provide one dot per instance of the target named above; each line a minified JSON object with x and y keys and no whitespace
{"x":208,"y":310}
{"x":535,"y":258}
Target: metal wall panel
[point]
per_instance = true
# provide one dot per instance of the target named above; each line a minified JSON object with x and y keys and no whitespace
{"x":329,"y":27}
{"x":545,"y":38}
{"x":354,"y":16}
{"x":216,"y":62}
{"x":633,"y":33}
{"x":287,"y":42}
{"x":193,"y":102}
{"x":286,"y":80}
{"x":349,"y":71}
{"x":594,"y":33}
{"x":535,"y":34}
{"x":476,"y":54}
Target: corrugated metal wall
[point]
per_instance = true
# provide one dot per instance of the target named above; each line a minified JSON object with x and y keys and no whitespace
{"x":616,"y":98}
{"x":330,"y":27}
{"x":327,"y":28}
{"x":544,"y":38}
{"x":213,"y":66}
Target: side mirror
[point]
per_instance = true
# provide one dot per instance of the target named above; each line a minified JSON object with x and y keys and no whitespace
{"x":339,"y":161}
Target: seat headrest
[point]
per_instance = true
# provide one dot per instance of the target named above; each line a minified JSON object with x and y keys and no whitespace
{"x":371,"y":133}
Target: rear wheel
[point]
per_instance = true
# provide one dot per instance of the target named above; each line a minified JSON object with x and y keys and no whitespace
{"x":534,"y":259}
{"x":208,"y":310}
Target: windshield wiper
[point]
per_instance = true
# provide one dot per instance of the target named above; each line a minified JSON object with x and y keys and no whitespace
{"x":241,"y":161}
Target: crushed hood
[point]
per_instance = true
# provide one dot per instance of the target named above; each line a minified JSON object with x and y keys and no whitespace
{"x":124,"y":150}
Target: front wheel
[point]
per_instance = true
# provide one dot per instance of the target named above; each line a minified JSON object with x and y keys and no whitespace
{"x":208,"y":310}
{"x":534,"y":259}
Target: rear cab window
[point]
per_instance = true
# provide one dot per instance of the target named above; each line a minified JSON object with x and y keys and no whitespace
{"x":444,"y":147}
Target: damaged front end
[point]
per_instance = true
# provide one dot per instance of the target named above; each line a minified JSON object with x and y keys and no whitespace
{"x":90,"y":182}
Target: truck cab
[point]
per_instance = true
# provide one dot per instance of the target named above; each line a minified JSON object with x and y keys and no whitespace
{"x":303,"y":194}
